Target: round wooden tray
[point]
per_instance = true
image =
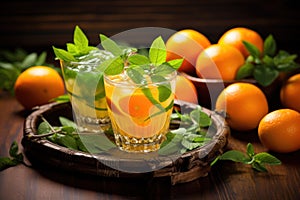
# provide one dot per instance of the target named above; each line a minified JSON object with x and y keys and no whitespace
{"x":187,"y":167}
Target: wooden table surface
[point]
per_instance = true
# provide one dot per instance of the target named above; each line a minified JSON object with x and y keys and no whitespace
{"x":227,"y":180}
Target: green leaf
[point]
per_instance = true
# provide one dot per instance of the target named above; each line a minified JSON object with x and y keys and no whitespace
{"x":80,"y":39}
{"x":29,"y":61}
{"x":43,"y":128}
{"x":268,"y":61}
{"x":172,"y":144}
{"x":61,"y":99}
{"x":67,"y":141}
{"x":176,"y":63}
{"x":110,"y":45}
{"x":163,"y":89}
{"x":163,"y":70}
{"x":41,"y":60}
{"x":259,"y":167}
{"x":190,"y":145}
{"x":136,"y":76}
{"x":267,"y":159}
{"x":96,"y":143}
{"x":138,"y":59}
{"x":6,"y":162}
{"x":66,"y":122}
{"x":113,"y":66}
{"x":13,"y":151}
{"x":201,"y":118}
{"x":235,"y":156}
{"x":253,"y":50}
{"x":250,"y":150}
{"x":265,"y":75}
{"x":63,"y":55}
{"x":245,"y":71}
{"x":73,"y":49}
{"x":158,"y":52}
{"x":270,"y":46}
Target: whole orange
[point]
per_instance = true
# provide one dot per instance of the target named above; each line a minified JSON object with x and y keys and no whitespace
{"x":245,"y":105}
{"x":279,"y":131}
{"x":37,"y":85}
{"x":289,"y":93}
{"x":235,"y":36}
{"x":186,"y":44}
{"x":185,"y":90}
{"x":219,"y":62}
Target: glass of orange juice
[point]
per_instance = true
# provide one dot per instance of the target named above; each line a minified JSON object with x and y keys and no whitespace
{"x":85,"y":87}
{"x":139,"y":112}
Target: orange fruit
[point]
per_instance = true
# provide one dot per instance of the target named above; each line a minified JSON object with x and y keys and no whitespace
{"x":138,"y":106}
{"x":245,"y":105}
{"x":235,"y":36}
{"x":186,"y":44}
{"x":185,"y":90}
{"x":219,"y":62}
{"x":37,"y":85}
{"x":289,"y":93}
{"x":279,"y":131}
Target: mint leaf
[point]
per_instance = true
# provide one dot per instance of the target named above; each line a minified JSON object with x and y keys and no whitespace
{"x":250,"y":150}
{"x":259,"y":167}
{"x":41,"y":59}
{"x":66,"y":122}
{"x":158,"y":52}
{"x":176,"y":63}
{"x":110,"y":45}
{"x":270,"y":46}
{"x":164,"y":90}
{"x":163,"y":70}
{"x":63,"y":55}
{"x":13,"y":151}
{"x":253,"y":50}
{"x":138,"y":59}
{"x":200,"y":118}
{"x":265,"y":75}
{"x":245,"y":71}
{"x":267,"y":159}
{"x":72,"y":49}
{"x":6,"y":162}
{"x":235,"y":156}
{"x":113,"y":66}
{"x":67,"y":141}
{"x":43,"y":128}
{"x":136,"y":76}
{"x":80,"y":40}
{"x":16,"y":158}
{"x":61,"y":99}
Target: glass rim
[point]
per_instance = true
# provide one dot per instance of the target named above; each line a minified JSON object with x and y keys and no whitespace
{"x":130,"y":84}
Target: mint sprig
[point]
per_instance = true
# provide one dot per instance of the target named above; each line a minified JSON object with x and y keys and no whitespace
{"x":80,"y":47}
{"x":265,"y":67}
{"x":257,"y":161}
{"x":136,"y":65}
{"x":14,"y":158}
{"x":190,"y":135}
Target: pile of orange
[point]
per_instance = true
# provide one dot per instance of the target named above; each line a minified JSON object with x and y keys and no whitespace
{"x":245,"y":104}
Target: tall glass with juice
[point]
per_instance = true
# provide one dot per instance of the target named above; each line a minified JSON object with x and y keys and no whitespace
{"x":85,"y":86}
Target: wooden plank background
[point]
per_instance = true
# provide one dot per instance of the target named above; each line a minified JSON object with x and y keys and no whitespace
{"x":37,"y":25}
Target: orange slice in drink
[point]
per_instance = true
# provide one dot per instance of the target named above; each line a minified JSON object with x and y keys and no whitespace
{"x":138,"y":107}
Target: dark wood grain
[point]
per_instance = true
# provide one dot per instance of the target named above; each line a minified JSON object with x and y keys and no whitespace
{"x":226,"y":180}
{"x":38,"y":24}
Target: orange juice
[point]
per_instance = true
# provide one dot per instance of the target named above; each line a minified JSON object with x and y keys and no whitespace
{"x":139,"y":119}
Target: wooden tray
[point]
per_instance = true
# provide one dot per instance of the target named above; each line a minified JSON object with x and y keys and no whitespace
{"x":189,"y":166}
